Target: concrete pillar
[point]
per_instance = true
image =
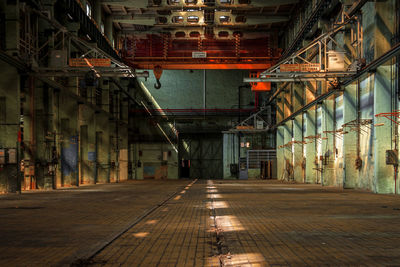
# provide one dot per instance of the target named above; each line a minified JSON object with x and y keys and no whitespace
{"x":287,"y":151}
{"x":298,"y":102}
{"x":310,"y":147}
{"x":9,"y":125}
{"x":102,"y":148}
{"x":383,"y":33}
{"x":123,"y":152}
{"x":43,"y":135}
{"x":298,"y":149}
{"x":10,"y":100}
{"x":287,"y":102}
{"x":230,"y":154}
{"x":87,"y":144}
{"x":28,"y":91}
{"x":102,"y":138}
{"x":328,"y":151}
{"x":66,"y":108}
{"x":279,"y":152}
{"x":350,"y":179}
{"x":114,"y":135}
{"x":279,"y":108}
{"x":384,"y":174}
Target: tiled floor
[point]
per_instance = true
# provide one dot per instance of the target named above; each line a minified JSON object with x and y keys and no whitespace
{"x":52,"y":228}
{"x":208,"y":223}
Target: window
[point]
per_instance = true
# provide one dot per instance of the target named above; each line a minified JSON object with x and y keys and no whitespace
{"x":194,"y":34}
{"x":223,"y":34}
{"x":193,"y":19}
{"x":224,"y":19}
{"x":177,"y":19}
{"x":173,"y":2}
{"x":224,"y":2}
{"x":180,"y":34}
{"x":88,"y":10}
{"x":190,"y":2}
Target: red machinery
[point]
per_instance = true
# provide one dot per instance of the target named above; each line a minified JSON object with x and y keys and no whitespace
{"x":175,"y":53}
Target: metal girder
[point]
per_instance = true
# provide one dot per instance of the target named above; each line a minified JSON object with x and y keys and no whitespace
{"x":249,"y":125}
{"x":151,"y":20}
{"x":164,"y":5}
{"x":302,"y":76}
{"x":319,"y":71}
{"x":199,"y":66}
{"x":394,"y":51}
{"x":80,"y":72}
{"x":88,"y":25}
{"x":307,"y":26}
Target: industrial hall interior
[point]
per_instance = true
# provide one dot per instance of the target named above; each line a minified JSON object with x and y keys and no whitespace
{"x":199,"y":133}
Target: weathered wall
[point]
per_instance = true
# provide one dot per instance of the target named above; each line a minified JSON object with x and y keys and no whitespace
{"x":331,"y":158}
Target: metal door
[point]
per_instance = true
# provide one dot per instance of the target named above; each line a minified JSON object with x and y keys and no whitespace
{"x":205,"y":154}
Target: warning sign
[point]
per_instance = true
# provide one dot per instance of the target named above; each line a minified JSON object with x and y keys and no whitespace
{"x":89,"y":62}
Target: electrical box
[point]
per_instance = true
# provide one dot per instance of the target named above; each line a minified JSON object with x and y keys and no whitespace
{"x":165,"y":156}
{"x":12,"y":156}
{"x":58,"y":58}
{"x":260,"y":125}
{"x":2,"y":156}
{"x":336,"y":61}
{"x":392,"y":157}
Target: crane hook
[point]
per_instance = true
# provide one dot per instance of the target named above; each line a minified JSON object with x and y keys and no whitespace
{"x":158,"y":84}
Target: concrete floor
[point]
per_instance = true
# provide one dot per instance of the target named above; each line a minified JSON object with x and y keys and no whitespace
{"x":208,"y":223}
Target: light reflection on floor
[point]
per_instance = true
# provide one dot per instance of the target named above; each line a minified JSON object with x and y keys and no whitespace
{"x":244,"y":259}
{"x":212,"y":191}
{"x":141,"y":234}
{"x":228,"y":223}
{"x":214,"y":196}
{"x":217,"y":205}
{"x":151,"y":221}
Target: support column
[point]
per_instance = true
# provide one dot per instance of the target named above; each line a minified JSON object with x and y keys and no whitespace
{"x":43,"y":135}
{"x":298,"y":149}
{"x":87,"y":144}
{"x":280,"y":152}
{"x":66,"y":108}
{"x":279,"y":108}
{"x":383,"y":138}
{"x":311,"y":175}
{"x":288,"y":155}
{"x":103,"y":137}
{"x":384,"y":30}
{"x":9,"y":127}
{"x":10,"y":103}
{"x":298,"y":102}
{"x":350,"y":173}
{"x":230,"y":154}
{"x":328,"y":174}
